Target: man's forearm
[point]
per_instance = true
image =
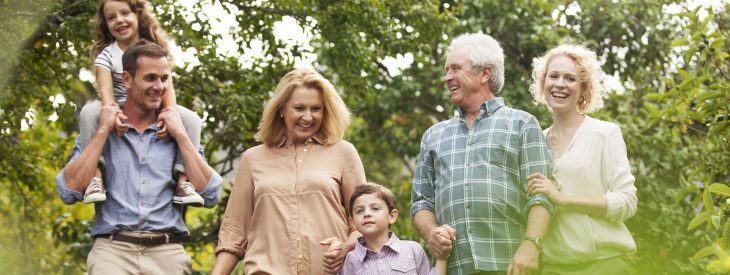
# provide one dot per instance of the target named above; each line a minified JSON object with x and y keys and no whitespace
{"x":78,"y":173}
{"x":538,"y":221}
{"x":424,"y":221}
{"x":196,"y":169}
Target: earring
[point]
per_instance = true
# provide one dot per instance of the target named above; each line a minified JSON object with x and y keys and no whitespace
{"x":281,"y":115}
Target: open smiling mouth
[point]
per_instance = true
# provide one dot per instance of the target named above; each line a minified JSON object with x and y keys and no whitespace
{"x":122,"y":29}
{"x":559,"y":95}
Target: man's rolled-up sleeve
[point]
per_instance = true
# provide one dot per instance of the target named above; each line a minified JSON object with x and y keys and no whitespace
{"x":422,"y":189}
{"x":535,"y":157}
{"x":67,"y":195}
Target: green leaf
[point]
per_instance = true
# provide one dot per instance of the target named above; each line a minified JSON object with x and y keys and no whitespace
{"x":709,"y":94}
{"x":684,"y":74}
{"x":717,"y":43}
{"x":707,"y":200}
{"x":687,"y":83}
{"x":715,"y":219}
{"x":704,"y":252}
{"x":720,"y":188}
{"x":679,"y":42}
{"x":722,"y":55}
{"x":652,"y":96}
{"x":652,"y":109}
{"x":718,"y":128}
{"x":698,"y":220}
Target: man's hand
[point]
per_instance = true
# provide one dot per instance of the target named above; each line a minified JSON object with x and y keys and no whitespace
{"x":335,"y":255}
{"x":107,"y":117}
{"x":526,"y":260}
{"x":170,"y":121}
{"x":440,"y":241}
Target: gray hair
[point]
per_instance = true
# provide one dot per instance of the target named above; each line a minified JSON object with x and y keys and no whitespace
{"x":485,"y":52}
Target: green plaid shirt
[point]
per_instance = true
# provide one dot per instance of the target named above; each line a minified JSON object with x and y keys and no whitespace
{"x":475,"y":180}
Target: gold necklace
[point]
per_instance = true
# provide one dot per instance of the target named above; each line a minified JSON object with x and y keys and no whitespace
{"x":553,"y":138}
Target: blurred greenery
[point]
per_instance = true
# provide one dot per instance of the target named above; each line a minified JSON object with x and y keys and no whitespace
{"x":670,"y":97}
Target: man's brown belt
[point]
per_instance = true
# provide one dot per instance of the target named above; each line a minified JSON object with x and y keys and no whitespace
{"x":149,"y":241}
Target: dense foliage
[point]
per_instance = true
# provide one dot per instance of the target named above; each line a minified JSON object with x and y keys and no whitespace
{"x":670,"y":63}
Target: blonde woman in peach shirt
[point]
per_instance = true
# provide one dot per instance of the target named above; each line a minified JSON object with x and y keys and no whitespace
{"x":594,"y":189}
{"x":293,"y":191}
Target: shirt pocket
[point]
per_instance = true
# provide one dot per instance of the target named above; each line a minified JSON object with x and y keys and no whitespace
{"x":403,"y":267}
{"x":496,"y":149}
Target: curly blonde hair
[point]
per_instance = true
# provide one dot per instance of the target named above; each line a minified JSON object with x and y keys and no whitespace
{"x":590,"y":73}
{"x":149,"y":27}
{"x":335,"y":119}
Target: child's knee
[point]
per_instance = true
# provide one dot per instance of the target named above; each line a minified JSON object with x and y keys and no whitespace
{"x":90,"y":112}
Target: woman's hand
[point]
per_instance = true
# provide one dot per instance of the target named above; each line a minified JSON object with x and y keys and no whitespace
{"x":538,"y":183}
{"x":335,"y":255}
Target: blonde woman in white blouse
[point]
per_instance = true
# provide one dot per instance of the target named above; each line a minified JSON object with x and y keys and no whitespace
{"x":593,"y":186}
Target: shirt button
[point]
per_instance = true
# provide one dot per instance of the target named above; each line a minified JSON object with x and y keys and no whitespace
{"x":141,"y":160}
{"x":300,"y":255}
{"x":300,"y":160}
{"x":144,"y":182}
{"x":305,"y":149}
{"x":141,"y":204}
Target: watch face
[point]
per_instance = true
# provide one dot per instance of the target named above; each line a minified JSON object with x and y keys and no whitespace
{"x":536,"y":240}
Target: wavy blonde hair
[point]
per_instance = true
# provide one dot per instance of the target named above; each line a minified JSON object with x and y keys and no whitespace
{"x":149,"y":27}
{"x":590,"y":73}
{"x":335,"y":119}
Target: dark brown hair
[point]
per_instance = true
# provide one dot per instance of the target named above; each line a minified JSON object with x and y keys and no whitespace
{"x":373,"y":188}
{"x":141,"y":48}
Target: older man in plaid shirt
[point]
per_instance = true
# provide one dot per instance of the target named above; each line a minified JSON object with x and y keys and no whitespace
{"x":469,"y":198}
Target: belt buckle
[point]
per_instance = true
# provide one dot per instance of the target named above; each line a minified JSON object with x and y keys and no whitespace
{"x":147,"y":239}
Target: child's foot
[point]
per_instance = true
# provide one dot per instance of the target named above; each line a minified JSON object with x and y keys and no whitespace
{"x":185,"y":194}
{"x":95,"y":192}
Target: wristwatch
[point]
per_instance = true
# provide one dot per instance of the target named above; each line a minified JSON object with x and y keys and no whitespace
{"x":537,"y":241}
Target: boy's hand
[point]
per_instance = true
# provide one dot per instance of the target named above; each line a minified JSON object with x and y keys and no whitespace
{"x":440,"y":241}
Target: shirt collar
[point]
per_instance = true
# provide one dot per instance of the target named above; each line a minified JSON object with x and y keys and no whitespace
{"x":487,"y":108}
{"x":317,"y":138}
{"x":152,"y":127}
{"x":361,"y":251}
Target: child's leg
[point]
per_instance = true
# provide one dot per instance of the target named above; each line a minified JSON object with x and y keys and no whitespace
{"x":193,"y":126}
{"x":185,"y":192}
{"x":88,"y":121}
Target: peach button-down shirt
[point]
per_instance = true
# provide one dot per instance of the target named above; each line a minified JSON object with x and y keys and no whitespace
{"x":287,"y":199}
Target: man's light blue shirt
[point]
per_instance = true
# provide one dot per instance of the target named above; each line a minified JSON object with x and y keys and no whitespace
{"x":139,"y":185}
